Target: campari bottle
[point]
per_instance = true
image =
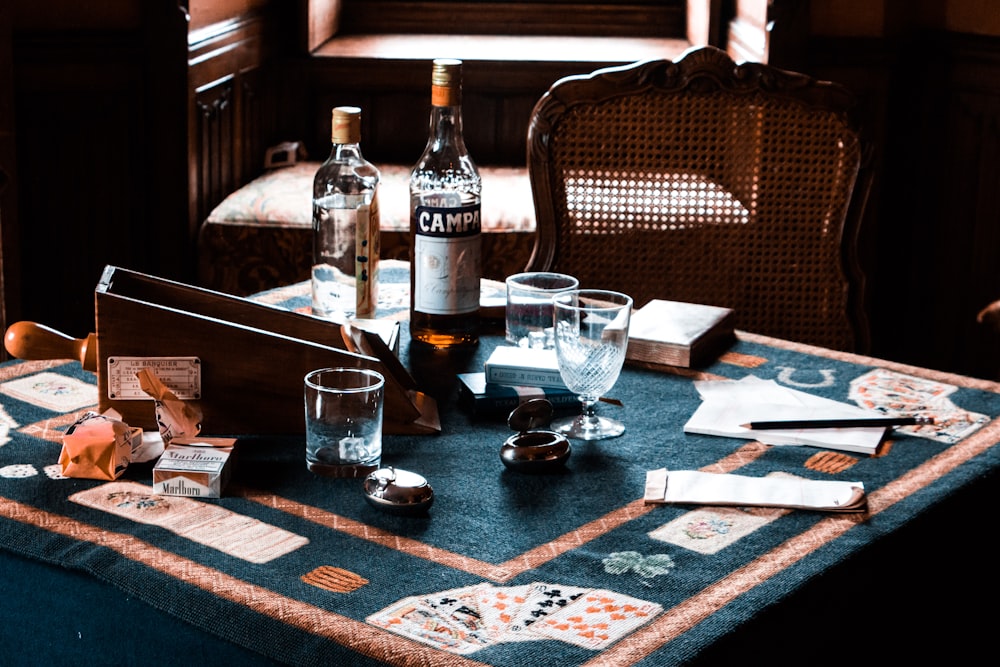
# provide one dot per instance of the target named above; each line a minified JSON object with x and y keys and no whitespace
{"x":445,"y":203}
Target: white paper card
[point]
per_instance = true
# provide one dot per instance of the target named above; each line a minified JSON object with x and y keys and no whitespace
{"x":726,"y":404}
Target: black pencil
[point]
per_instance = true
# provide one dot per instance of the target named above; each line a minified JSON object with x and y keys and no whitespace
{"x":838,"y":423}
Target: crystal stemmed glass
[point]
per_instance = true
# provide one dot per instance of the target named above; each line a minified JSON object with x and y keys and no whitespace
{"x":591,"y":335}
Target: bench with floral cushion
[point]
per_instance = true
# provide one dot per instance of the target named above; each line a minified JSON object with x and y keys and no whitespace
{"x":260,"y":236}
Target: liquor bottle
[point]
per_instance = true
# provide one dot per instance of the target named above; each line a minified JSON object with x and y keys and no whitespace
{"x":445,"y":226}
{"x":345,"y":226}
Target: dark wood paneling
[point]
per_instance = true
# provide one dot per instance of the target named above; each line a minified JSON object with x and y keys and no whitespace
{"x":931,"y":242}
{"x":942,"y":206}
{"x":85,"y":171}
{"x":129,"y":133}
{"x":227,"y":138}
{"x":395,"y":96}
{"x":10,"y":293}
{"x":227,"y":122}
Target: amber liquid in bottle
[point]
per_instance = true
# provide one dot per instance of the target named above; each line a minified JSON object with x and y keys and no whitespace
{"x":445,"y":225}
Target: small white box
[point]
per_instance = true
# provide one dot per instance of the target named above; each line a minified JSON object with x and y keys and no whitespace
{"x":523,"y":366}
{"x":198,"y":468}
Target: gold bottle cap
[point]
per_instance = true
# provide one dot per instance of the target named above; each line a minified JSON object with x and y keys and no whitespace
{"x":346,"y":127}
{"x":446,"y":72}
{"x":446,"y":82}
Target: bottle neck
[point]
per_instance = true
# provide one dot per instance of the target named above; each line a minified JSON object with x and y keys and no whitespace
{"x":446,"y":128}
{"x":346,"y":152}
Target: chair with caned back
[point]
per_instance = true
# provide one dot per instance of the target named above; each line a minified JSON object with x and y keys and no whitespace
{"x":705,"y":181}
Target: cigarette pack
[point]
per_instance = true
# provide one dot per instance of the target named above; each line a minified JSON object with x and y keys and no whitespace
{"x":484,"y":399}
{"x":523,"y":367}
{"x":199,"y":468}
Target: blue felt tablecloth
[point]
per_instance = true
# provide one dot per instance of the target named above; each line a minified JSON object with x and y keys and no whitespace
{"x":491,"y":525}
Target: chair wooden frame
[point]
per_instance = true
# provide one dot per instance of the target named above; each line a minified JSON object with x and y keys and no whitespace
{"x":740,"y":185}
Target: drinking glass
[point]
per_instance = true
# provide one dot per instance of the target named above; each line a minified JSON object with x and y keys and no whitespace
{"x":529,"y":306}
{"x":591,"y":335}
{"x":343,"y":411}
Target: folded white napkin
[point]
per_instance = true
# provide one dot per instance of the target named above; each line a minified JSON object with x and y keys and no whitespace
{"x":775,"y":490}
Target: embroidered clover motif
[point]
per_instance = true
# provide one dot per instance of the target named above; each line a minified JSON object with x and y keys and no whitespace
{"x":646,"y":567}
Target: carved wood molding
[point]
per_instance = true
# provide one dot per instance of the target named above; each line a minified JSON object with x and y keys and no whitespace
{"x":702,"y":70}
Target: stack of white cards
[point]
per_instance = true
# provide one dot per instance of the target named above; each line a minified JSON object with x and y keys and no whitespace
{"x":464,"y":620}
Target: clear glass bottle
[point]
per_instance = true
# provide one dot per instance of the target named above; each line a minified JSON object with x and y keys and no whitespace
{"x":445,"y":224}
{"x":345,"y":226}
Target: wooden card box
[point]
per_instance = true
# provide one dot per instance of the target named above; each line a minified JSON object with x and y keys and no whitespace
{"x":253,"y":357}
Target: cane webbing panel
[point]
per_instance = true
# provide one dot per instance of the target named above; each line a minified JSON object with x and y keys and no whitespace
{"x":703,"y":181}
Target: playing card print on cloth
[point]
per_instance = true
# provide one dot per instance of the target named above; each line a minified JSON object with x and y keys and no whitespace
{"x":499,"y":606}
{"x":27,"y":470}
{"x":413,"y":618}
{"x":464,"y":620}
{"x":597,"y":619}
{"x":542,"y":599}
{"x":893,"y":393}
{"x":18,"y":471}
{"x":52,"y":391}
{"x":460,"y":608}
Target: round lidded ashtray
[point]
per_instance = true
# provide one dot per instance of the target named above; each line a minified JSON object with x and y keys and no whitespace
{"x":534,"y":449}
{"x":398,"y":491}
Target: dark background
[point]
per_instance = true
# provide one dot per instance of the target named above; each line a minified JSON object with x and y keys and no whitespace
{"x":124,"y":123}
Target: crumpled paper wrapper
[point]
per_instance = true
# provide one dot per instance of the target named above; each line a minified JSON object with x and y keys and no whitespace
{"x":174,"y":417}
{"x":98,"y":446}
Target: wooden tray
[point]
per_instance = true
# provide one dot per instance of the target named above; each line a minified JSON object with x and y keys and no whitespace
{"x":252,"y":357}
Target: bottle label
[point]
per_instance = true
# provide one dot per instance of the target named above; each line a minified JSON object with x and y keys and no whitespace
{"x":368,"y":248}
{"x":446,"y":259}
{"x":346,"y":250}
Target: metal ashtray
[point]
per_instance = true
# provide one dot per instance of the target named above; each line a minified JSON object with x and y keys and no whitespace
{"x":534,"y":448}
{"x":398,"y":491}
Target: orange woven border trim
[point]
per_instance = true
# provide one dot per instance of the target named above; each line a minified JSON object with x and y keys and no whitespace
{"x":49,"y":429}
{"x":54,"y":429}
{"x":682,"y":618}
{"x":501,"y":572}
{"x":940,"y":376}
{"x":642,"y":643}
{"x":29,"y":367}
{"x":357,"y":635}
{"x":396,"y":650}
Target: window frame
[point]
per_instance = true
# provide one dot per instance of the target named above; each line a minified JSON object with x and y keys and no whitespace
{"x":611,"y":18}
{"x":634,"y":19}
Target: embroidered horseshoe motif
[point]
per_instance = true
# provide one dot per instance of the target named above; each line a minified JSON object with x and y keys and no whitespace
{"x":785,"y":376}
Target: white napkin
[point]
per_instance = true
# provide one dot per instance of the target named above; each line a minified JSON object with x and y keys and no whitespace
{"x":775,"y":490}
{"x":726,"y":404}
